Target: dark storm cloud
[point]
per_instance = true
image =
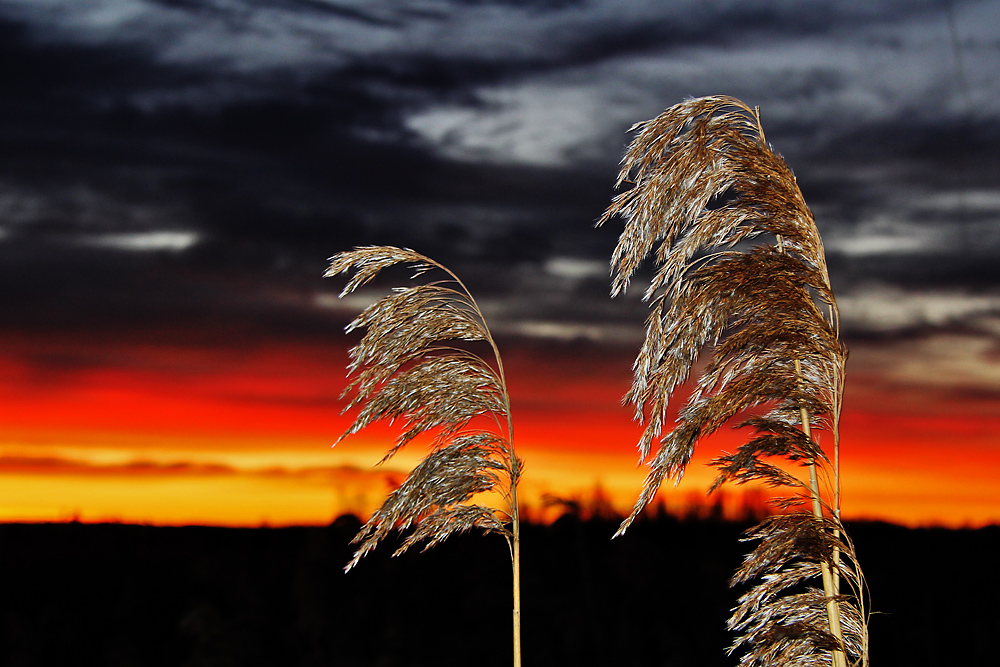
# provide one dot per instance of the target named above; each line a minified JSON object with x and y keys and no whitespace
{"x":190,"y":164}
{"x":219,"y":194}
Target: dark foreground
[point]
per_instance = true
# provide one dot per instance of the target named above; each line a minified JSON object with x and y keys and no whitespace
{"x":131,"y":595}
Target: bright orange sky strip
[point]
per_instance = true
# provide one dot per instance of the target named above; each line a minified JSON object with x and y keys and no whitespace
{"x":175,"y":436}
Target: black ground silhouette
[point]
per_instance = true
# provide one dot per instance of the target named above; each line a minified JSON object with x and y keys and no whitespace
{"x":75,"y":594}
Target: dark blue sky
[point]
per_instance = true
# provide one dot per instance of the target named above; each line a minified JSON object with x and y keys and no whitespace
{"x":181,"y":169}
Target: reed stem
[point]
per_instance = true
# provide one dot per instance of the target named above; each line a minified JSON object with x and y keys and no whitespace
{"x":516,"y":530}
{"x":829,"y":586}
{"x":514,"y":474}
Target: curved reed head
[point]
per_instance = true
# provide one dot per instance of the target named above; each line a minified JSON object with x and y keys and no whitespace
{"x":741,"y":278}
{"x":407,"y":367}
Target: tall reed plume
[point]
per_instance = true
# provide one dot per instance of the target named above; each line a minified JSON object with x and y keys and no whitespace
{"x":740,"y":274}
{"x":408,"y":367}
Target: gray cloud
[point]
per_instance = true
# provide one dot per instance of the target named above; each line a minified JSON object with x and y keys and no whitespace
{"x":196,"y":161}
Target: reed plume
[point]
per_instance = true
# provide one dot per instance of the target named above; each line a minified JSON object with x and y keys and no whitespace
{"x":741,"y":276}
{"x":408,"y":366}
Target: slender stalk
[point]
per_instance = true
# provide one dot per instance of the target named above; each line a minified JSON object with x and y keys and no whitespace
{"x":516,"y":530}
{"x":515,"y":520}
{"x":836,"y":488}
{"x":829,"y":586}
{"x":831,"y":578}
{"x":834,"y":319}
{"x":515,"y":515}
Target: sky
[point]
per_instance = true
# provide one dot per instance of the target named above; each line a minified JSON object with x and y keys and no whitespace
{"x":174,"y":175}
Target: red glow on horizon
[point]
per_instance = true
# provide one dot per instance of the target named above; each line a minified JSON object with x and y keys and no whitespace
{"x":168,"y":436}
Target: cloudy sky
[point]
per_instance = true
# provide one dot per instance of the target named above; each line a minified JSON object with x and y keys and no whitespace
{"x":174,"y":174}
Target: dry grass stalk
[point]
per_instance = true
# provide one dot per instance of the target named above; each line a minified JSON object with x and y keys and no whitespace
{"x":408,"y":367}
{"x":705,"y":184}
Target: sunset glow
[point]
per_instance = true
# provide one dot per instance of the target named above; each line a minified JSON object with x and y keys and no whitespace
{"x":179,"y":436}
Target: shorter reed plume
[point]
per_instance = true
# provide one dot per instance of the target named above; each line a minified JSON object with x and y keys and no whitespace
{"x":411,"y":365}
{"x":740,"y":275}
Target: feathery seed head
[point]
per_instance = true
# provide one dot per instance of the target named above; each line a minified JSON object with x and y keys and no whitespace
{"x":407,"y":368}
{"x":740,"y":275}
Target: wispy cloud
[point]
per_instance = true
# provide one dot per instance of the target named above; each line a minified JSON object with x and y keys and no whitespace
{"x":892,"y":237}
{"x":883,"y":308}
{"x":59,"y":466}
{"x":934,"y":374}
{"x":573,"y":331}
{"x":339,"y":474}
{"x":574,"y":268}
{"x":173,"y":241}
